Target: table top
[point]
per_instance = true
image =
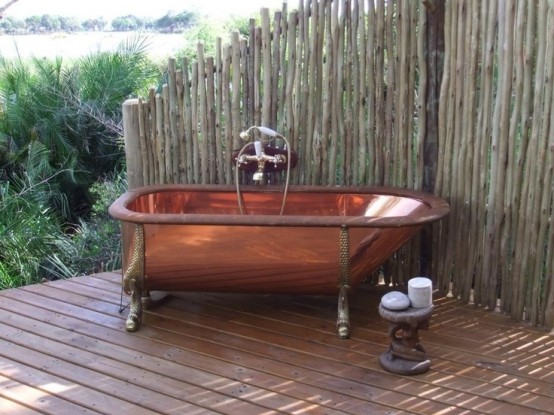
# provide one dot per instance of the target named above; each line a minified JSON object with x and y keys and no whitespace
{"x":408,"y":315}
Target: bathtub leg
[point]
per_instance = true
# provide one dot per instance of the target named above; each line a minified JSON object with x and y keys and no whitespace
{"x":133,"y":281}
{"x":343,"y":318}
{"x":135,"y":310}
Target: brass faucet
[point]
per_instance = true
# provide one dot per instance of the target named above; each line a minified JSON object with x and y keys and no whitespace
{"x":261,"y":158}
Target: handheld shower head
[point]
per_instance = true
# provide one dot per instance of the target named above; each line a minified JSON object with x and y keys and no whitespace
{"x":245,"y":135}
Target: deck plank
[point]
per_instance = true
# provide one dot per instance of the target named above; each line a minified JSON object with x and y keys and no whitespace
{"x":332,"y":358}
{"x":14,"y":408}
{"x":19,"y":393}
{"x":64,"y":345}
{"x":295,"y":388}
{"x":150,"y":370}
{"x":230,"y":342}
{"x":88,"y":360}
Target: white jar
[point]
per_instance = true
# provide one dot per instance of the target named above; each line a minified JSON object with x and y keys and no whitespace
{"x":420,"y":292}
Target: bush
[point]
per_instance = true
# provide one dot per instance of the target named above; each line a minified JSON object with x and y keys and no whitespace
{"x":95,"y":245}
{"x":73,"y":109}
{"x":28,"y":234}
{"x":60,"y":131}
{"x":29,"y":228}
{"x":34,"y":248}
{"x":207,"y":32}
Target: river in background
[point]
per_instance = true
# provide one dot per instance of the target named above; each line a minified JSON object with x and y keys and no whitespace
{"x":75,"y":45}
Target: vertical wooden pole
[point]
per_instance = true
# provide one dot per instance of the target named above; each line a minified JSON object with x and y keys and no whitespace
{"x":131,"y":136}
{"x":434,"y":56}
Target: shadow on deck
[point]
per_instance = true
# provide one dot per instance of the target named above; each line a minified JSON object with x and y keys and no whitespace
{"x":64,"y":350}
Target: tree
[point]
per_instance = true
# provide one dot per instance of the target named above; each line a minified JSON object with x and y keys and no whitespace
{"x":97,"y":24}
{"x":33,"y":23}
{"x":7,"y":25}
{"x":50,"y":23}
{"x":127,"y":23}
{"x":207,"y":31}
{"x":70,"y":24}
{"x":176,"y":22}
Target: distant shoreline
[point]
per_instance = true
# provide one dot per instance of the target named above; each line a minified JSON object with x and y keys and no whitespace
{"x":73,"y":45}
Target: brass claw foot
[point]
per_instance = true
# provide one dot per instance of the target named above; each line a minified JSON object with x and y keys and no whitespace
{"x":133,"y":322}
{"x":343,"y":330}
{"x":133,"y":280}
{"x":343,"y":318}
{"x":135,"y":312}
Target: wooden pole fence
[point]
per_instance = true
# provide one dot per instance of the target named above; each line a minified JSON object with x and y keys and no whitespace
{"x":453,"y":97}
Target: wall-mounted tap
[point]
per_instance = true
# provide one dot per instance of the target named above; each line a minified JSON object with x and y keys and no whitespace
{"x":261,"y":158}
{"x":260,"y":161}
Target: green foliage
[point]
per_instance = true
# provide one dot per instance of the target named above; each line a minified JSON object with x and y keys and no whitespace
{"x":33,"y":246}
{"x":105,"y":79}
{"x":95,"y":245}
{"x":242,"y":24}
{"x":128,"y":23}
{"x":60,"y":136}
{"x":207,"y":31}
{"x":71,"y":24}
{"x":172,"y":22}
{"x":29,"y":228}
{"x":73,"y":110}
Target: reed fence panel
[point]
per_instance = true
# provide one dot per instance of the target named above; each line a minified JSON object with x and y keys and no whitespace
{"x":352,"y":85}
{"x":497,"y":143}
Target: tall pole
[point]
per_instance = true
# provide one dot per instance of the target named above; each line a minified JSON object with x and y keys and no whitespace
{"x":434,"y":56}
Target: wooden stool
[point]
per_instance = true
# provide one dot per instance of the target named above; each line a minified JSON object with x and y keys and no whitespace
{"x":406,"y":355}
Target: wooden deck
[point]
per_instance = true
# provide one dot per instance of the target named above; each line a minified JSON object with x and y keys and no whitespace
{"x":64,"y":350}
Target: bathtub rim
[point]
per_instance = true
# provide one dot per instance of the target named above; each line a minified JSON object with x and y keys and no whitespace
{"x":438,"y":208}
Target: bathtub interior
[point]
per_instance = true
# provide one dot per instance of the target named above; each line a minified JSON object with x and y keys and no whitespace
{"x":269,"y":203}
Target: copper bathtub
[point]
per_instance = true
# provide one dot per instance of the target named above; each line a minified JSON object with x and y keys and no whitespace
{"x":193,"y":238}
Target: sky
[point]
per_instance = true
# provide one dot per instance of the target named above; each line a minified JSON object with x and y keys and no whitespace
{"x":156,"y":8}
